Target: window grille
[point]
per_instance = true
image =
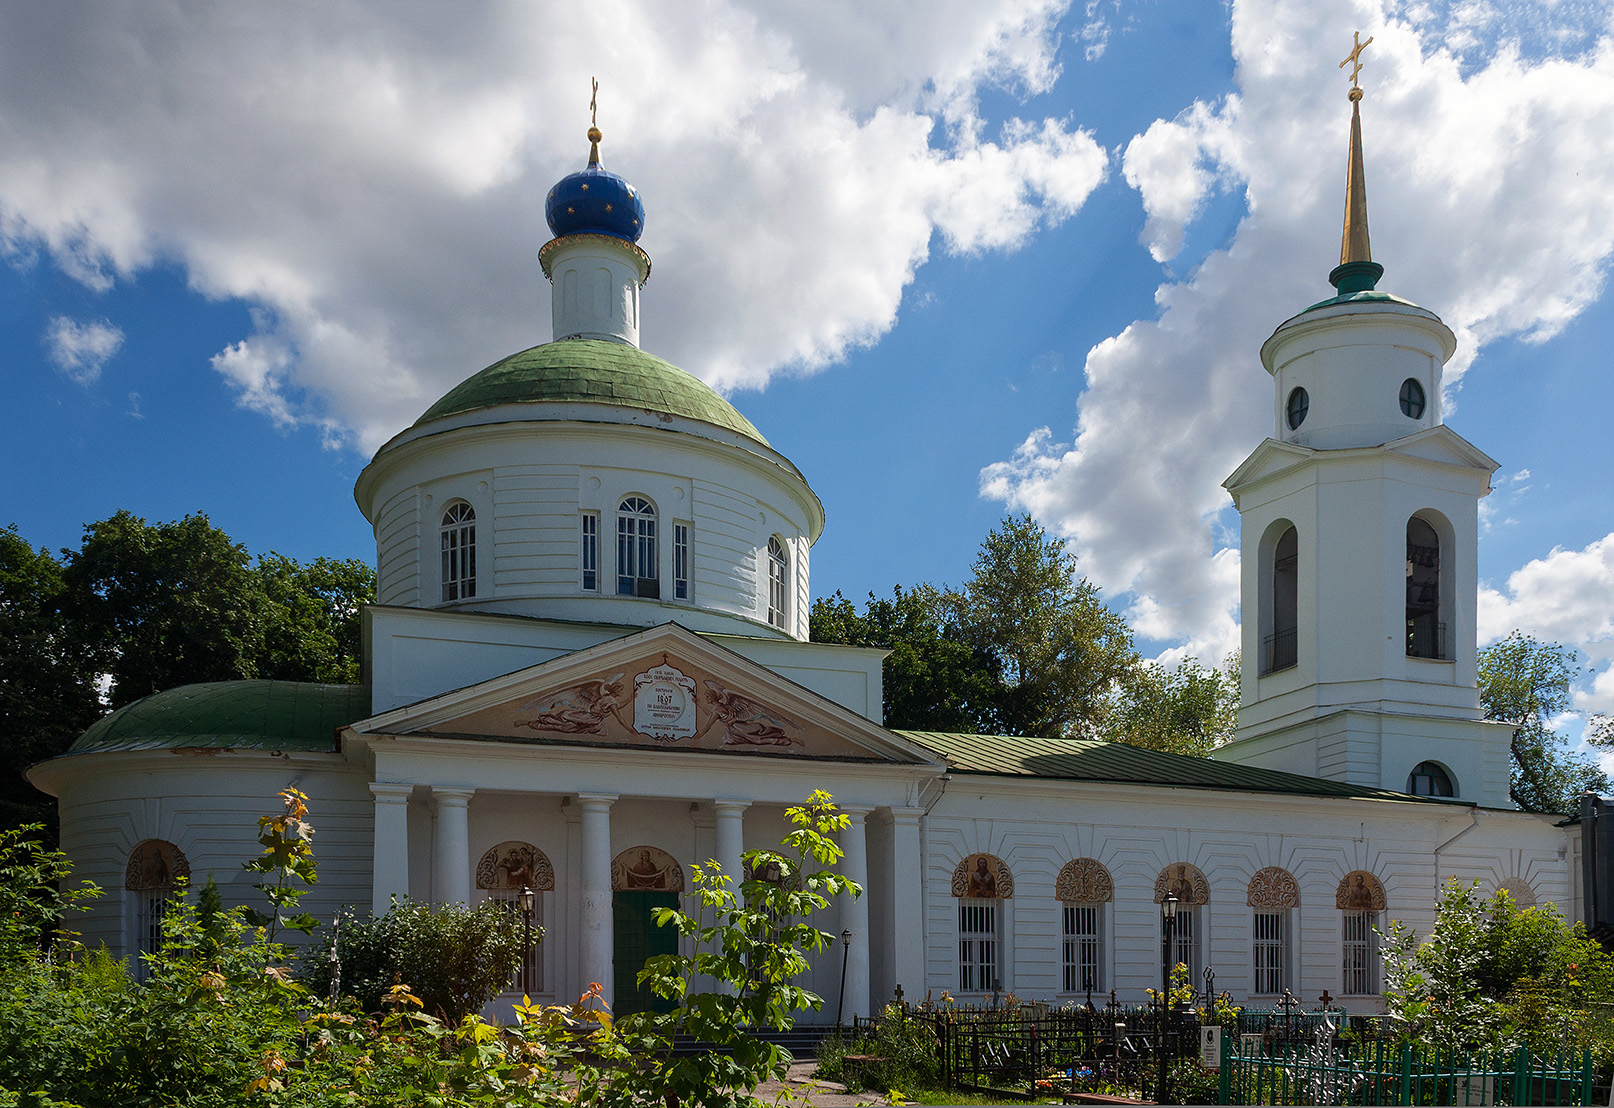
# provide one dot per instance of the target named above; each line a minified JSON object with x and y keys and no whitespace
{"x":459,"y":552}
{"x":1084,"y":948}
{"x":150,"y":907}
{"x":1185,"y":941}
{"x":591,"y":552}
{"x":778,"y":579}
{"x":1360,"y":950}
{"x":529,"y":979}
{"x":978,"y":942}
{"x":1271,"y":949}
{"x":681,"y":561}
{"x":637,"y":573}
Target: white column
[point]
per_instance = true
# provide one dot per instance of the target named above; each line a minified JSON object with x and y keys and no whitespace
{"x":451,"y":845}
{"x":390,"y":872}
{"x":595,"y":902}
{"x":907,"y":903}
{"x":855,"y":913}
{"x":731,"y":838}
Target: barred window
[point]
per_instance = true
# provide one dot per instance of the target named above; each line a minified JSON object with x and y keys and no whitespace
{"x":1361,"y":954}
{"x":680,"y":561}
{"x":979,"y":968}
{"x":529,"y":979}
{"x":637,"y":573}
{"x":1084,"y":948}
{"x":1185,"y":941}
{"x":1271,"y":950}
{"x":591,"y":552}
{"x":778,"y":579}
{"x":153,"y":876}
{"x":459,"y":552}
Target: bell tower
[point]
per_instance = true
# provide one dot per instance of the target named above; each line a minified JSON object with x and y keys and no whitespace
{"x":1359,"y":580}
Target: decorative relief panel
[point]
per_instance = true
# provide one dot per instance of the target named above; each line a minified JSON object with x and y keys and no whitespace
{"x":1273,"y":887}
{"x":515,"y":865}
{"x":1519,"y":889}
{"x":580,"y":709}
{"x":983,"y":877}
{"x":1085,"y":880}
{"x":1184,"y":882}
{"x":646,"y":869}
{"x":155,"y":864}
{"x":1359,"y":891}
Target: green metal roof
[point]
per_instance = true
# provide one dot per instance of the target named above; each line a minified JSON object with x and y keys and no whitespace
{"x":1085,"y":760}
{"x":257,"y":715}
{"x":592,"y":371}
{"x":1371,"y":296}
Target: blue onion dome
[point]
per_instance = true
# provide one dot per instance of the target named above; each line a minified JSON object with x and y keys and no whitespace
{"x":595,"y":201}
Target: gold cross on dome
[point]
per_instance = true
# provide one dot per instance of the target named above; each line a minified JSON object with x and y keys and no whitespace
{"x":1354,"y":59}
{"x":594,"y":98}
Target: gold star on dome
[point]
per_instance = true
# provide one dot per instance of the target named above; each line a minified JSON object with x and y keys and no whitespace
{"x":608,"y":207}
{"x":571,"y":211}
{"x":585,"y":188}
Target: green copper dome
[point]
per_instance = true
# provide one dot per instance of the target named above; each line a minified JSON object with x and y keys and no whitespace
{"x":255,"y":715}
{"x":592,"y":371}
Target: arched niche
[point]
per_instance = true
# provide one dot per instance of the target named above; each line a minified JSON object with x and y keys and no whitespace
{"x":1523,"y":894}
{"x":1086,"y":881}
{"x":1278,"y":618}
{"x":1273,"y":887}
{"x":983,"y":877}
{"x":155,"y":865}
{"x":1183,"y":881}
{"x":646,"y":869}
{"x":514,"y":865}
{"x":1359,"y":891}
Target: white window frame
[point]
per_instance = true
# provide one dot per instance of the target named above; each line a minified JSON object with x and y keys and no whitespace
{"x":1270,"y":929}
{"x":778,"y":583}
{"x":680,"y":560}
{"x":589,"y":552}
{"x":1082,"y":925}
{"x":980,"y":945}
{"x":638,"y":573}
{"x":458,"y":544}
{"x":1359,"y":953}
{"x":529,"y":979}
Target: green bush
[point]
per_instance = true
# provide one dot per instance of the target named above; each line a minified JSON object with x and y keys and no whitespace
{"x":907,"y":1053}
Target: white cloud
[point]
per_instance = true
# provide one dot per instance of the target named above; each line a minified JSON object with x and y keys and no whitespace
{"x":1521,"y":148}
{"x":79,"y":350}
{"x":372,"y":176}
{"x":1566,"y":597}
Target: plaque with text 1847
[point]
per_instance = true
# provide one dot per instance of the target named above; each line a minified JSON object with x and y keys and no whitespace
{"x":664,"y":704}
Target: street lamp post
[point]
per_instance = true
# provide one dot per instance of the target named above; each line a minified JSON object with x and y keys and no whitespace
{"x":1168,"y":926}
{"x":846,"y":945}
{"x":528,"y":900}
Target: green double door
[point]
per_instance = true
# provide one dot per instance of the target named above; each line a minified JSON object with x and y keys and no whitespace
{"x":638,"y":938}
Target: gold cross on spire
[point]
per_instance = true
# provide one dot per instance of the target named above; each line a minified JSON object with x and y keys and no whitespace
{"x":594,"y":135}
{"x":1354,"y":60}
{"x":594,"y":100}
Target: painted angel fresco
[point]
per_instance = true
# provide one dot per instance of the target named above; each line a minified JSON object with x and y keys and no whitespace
{"x":745,"y":722}
{"x":579,"y":709}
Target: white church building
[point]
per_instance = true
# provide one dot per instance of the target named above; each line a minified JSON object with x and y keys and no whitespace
{"x":588,"y":667}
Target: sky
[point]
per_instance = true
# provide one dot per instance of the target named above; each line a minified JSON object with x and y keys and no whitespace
{"x":954,"y":258}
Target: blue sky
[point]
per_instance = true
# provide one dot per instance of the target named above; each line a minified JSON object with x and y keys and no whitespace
{"x":953,"y":259}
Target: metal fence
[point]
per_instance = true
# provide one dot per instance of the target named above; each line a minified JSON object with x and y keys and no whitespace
{"x":1382,"y":1072}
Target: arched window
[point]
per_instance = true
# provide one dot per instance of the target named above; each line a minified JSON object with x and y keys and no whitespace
{"x":1360,"y":899}
{"x":1274,"y":894}
{"x":1430,"y":779}
{"x":156,"y":870}
{"x":1084,"y":888}
{"x":459,"y":551}
{"x":1281,"y":641}
{"x":1188,"y":885}
{"x":637,"y":572}
{"x":980,"y":882}
{"x":502,"y":873}
{"x":778,"y":580}
{"x":1426,"y":634}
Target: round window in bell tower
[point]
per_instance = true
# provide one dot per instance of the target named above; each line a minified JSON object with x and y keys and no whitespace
{"x":1412,"y":398}
{"x":1299,"y":404}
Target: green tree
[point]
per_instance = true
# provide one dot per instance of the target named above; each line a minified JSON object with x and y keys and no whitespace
{"x":1525,"y":682}
{"x":47,"y":693}
{"x":311,"y":618}
{"x":1184,"y":709}
{"x":1059,"y":649}
{"x":932,"y":681}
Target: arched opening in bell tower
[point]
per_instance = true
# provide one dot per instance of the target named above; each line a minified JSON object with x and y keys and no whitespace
{"x":1280,"y":597}
{"x":1426,"y":629}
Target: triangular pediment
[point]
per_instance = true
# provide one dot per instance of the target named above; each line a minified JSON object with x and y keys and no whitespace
{"x":1267,"y":460}
{"x":667,"y":688}
{"x":1442,"y":444}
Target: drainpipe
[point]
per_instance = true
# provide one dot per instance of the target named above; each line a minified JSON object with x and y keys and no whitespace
{"x":1473,"y":817}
